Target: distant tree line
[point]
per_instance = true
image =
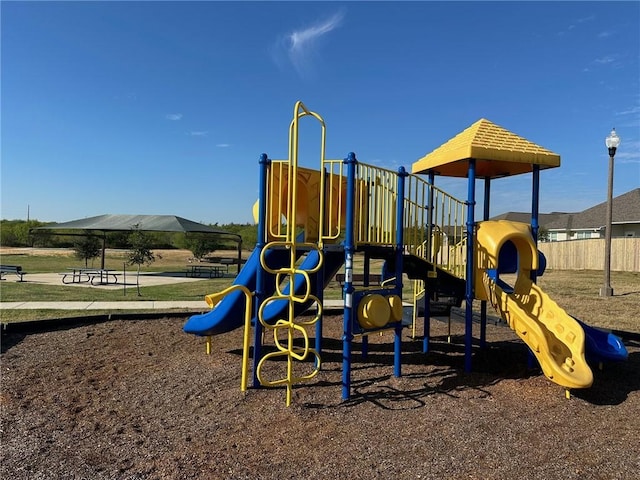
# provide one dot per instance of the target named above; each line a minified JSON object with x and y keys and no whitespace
{"x":16,"y":233}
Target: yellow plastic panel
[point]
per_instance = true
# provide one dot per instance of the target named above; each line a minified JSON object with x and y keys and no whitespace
{"x":395,"y":305}
{"x":373,"y":311}
{"x":491,"y":235}
{"x":307,"y":213}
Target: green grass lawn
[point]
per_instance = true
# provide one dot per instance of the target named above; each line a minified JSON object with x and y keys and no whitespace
{"x":575,"y":291}
{"x":25,"y":291}
{"x":60,"y":263}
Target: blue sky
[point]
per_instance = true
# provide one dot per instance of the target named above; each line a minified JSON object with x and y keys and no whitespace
{"x":165,"y":107}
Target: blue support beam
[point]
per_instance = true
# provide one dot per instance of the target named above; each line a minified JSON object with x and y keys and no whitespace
{"x":397,"y":344}
{"x":535,"y":206}
{"x":427,"y":298}
{"x":349,"y":251}
{"x":260,"y":274}
{"x":471,"y":203}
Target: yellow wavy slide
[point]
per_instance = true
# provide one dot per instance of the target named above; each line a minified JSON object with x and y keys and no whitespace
{"x":556,"y":339}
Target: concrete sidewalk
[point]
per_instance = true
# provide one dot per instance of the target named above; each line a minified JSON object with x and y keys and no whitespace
{"x":127,"y":305}
{"x":124,"y":305}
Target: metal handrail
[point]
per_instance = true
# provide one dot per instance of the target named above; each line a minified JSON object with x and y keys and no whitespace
{"x":212,"y":300}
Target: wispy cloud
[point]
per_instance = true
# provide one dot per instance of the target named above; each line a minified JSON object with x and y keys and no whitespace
{"x":173,"y":116}
{"x":605,"y":34}
{"x":630,"y":111}
{"x":629,"y":152}
{"x":223,"y":145}
{"x":613,"y":60}
{"x":199,"y":134}
{"x":577,"y":22}
{"x":607,"y":59}
{"x":588,"y":18}
{"x":629,"y":118}
{"x":301,"y":45}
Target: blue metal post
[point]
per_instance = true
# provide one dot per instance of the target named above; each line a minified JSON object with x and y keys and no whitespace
{"x":397,"y":341}
{"x":260,"y":274}
{"x":349,"y":250}
{"x":483,"y":303}
{"x":431,"y":177}
{"x":535,"y":204}
{"x":471,"y":203}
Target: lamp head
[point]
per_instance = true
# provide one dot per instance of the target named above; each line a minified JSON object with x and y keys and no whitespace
{"x":613,"y":140}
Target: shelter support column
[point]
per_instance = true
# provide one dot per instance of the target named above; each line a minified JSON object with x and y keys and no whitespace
{"x":104,"y":249}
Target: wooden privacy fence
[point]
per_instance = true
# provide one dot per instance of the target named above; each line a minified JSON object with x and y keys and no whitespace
{"x":589,"y":254}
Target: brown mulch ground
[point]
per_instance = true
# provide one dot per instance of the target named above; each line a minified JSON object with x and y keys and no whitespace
{"x":134,"y":399}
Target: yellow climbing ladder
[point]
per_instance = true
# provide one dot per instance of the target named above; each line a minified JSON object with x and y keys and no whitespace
{"x":282,"y":215}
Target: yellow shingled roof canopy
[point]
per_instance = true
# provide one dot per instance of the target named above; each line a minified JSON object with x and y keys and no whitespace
{"x":497,"y":151}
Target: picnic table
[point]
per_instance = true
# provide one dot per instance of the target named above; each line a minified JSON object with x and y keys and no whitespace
{"x":95,"y":276}
{"x":212,"y":271}
{"x":17,"y":269}
{"x":227,"y":262}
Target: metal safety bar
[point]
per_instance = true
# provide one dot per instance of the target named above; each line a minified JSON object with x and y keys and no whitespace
{"x":213,"y":300}
{"x":434,"y":221}
{"x":434,"y":225}
{"x":376,"y":197}
{"x":333,"y":201}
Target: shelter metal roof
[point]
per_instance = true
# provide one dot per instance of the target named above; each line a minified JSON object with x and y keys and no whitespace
{"x":497,"y":151}
{"x":155,"y":223}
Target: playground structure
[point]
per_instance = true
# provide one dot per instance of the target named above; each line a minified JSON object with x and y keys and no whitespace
{"x":314,"y":223}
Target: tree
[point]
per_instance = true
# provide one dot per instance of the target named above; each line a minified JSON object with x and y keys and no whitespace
{"x":139,"y":252}
{"x":248,"y":232}
{"x":201,"y":244}
{"x":543,"y":234}
{"x":87,"y":248}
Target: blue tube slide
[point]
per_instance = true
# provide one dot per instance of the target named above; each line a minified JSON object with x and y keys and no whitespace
{"x":601,"y":345}
{"x":332,"y":263}
{"x":229,"y":313}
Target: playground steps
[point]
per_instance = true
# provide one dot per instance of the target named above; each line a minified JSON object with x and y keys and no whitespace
{"x":446,"y":290}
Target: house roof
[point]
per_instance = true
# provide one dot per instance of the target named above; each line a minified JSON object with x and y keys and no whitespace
{"x":497,"y":152}
{"x":625,"y":209}
{"x":544,"y":219}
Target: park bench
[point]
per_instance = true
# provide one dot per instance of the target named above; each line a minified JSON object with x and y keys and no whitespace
{"x":358,"y":279}
{"x":17,"y":269}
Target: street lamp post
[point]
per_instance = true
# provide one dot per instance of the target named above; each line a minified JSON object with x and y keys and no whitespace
{"x":612,"y":142}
